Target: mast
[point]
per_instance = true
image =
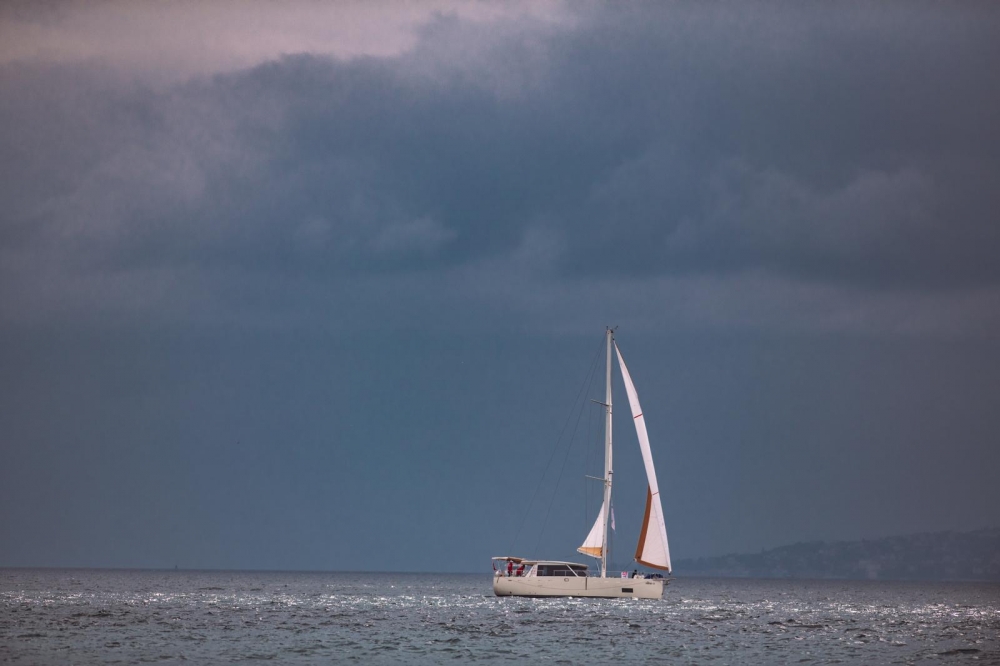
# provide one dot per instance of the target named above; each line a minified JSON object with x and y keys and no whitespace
{"x":606,"y":507}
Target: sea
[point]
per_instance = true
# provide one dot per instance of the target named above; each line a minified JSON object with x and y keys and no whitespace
{"x":78,"y":616}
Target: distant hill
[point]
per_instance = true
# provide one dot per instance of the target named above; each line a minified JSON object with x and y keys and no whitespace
{"x":931,"y":556}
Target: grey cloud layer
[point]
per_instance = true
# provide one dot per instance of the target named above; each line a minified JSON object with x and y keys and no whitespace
{"x":284,"y":302}
{"x":848,"y":151}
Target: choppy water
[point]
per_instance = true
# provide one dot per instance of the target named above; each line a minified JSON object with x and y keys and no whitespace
{"x":95,"y":616}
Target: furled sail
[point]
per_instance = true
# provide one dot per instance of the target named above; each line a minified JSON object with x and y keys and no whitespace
{"x":652,"y":550}
{"x":593,"y":545}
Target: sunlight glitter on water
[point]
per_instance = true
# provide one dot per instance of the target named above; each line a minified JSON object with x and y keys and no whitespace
{"x":391,"y":618}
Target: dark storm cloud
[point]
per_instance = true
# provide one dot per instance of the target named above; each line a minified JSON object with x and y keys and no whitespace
{"x":262,"y":311}
{"x":851,"y":146}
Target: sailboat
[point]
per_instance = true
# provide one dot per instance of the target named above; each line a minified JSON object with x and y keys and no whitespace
{"x":522,"y":577}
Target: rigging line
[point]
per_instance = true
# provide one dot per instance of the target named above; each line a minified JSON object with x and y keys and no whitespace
{"x":587,"y":383}
{"x":595,"y":439}
{"x":562,"y":469}
{"x":527,"y":509}
{"x":569,"y":448}
{"x":586,"y":490}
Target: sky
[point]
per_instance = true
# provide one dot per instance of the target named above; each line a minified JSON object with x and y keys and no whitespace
{"x":320,"y":286}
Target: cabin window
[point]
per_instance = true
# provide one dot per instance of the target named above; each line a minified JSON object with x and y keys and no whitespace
{"x":563,"y":570}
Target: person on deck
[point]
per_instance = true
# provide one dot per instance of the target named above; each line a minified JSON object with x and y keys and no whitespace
{"x":510,"y":568}
{"x":520,"y":570}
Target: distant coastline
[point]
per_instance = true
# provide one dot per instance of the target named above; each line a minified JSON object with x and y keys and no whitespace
{"x":938,"y":556}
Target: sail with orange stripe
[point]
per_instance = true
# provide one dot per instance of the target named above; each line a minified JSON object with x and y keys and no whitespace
{"x":652,"y":550}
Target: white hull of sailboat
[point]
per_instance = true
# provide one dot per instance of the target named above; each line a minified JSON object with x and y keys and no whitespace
{"x":580,"y":586}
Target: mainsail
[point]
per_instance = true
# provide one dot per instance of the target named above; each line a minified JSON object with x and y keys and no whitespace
{"x":652,"y":550}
